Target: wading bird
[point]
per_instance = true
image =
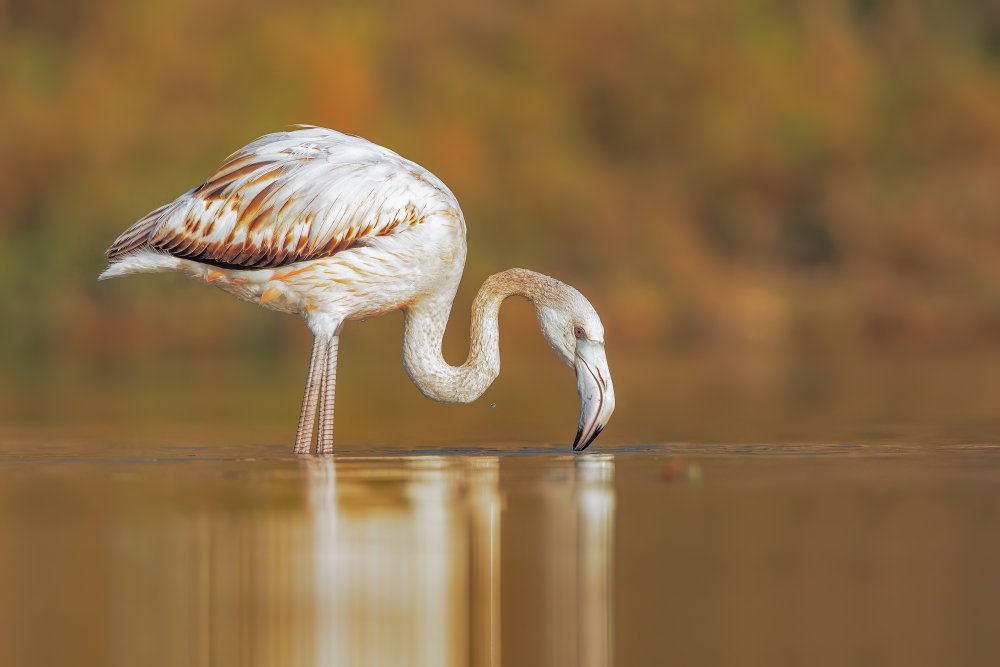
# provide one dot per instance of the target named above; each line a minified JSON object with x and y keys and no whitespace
{"x":336,"y":228}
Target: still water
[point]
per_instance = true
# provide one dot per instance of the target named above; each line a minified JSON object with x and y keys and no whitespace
{"x":645,"y":555}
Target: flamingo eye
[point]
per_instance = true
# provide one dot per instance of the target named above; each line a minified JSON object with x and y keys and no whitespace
{"x":579,"y":332}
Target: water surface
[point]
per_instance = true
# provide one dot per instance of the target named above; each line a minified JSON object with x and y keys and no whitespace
{"x":755,"y":554}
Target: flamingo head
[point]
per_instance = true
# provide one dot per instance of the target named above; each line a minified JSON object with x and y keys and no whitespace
{"x":573,"y":329}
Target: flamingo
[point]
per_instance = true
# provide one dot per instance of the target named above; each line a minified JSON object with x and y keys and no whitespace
{"x":335,"y":228}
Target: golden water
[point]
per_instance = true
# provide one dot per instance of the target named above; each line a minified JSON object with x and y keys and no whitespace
{"x":647,"y":555}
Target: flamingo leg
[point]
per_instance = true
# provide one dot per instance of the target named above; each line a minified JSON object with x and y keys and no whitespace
{"x":324,"y":443}
{"x":307,"y":416}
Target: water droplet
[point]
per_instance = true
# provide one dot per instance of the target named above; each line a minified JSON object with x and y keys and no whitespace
{"x":493,"y":406}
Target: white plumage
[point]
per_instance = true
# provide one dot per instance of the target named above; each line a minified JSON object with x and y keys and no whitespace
{"x":334,"y":227}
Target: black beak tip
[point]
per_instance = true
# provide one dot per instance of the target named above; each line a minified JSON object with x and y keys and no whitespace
{"x":580,"y":446}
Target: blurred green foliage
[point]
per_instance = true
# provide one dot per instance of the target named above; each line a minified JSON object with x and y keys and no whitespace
{"x":768,"y":181}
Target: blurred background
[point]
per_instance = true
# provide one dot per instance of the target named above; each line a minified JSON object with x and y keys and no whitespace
{"x":787,"y":213}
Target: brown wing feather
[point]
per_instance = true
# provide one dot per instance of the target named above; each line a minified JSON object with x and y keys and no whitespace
{"x":288,"y":198}
{"x":136,"y":236}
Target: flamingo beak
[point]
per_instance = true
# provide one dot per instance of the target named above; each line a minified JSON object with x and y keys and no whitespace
{"x":597,"y":394}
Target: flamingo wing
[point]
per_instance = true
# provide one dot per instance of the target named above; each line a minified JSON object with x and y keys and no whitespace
{"x":290,"y":197}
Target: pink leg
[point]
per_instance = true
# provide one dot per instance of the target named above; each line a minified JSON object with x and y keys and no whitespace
{"x":324,"y":443}
{"x":317,"y":368}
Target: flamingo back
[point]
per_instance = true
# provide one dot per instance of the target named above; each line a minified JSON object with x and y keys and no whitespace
{"x":290,"y":197}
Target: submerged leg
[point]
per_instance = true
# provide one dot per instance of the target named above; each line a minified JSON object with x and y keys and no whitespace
{"x":324,"y":443}
{"x":317,"y":366}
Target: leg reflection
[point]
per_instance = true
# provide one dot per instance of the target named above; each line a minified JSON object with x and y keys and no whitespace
{"x":406,"y":560}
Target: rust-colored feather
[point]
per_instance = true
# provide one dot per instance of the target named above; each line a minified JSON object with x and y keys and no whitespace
{"x":224,"y":177}
{"x":249,"y":212}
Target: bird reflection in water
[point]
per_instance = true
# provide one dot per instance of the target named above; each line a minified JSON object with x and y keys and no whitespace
{"x":389,"y":561}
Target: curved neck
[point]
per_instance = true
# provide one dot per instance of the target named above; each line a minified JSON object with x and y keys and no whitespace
{"x":423,"y":332}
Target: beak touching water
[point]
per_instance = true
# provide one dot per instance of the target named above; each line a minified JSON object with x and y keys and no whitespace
{"x":597,"y":394}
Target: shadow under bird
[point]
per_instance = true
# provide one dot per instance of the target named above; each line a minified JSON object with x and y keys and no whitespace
{"x":336,"y":228}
